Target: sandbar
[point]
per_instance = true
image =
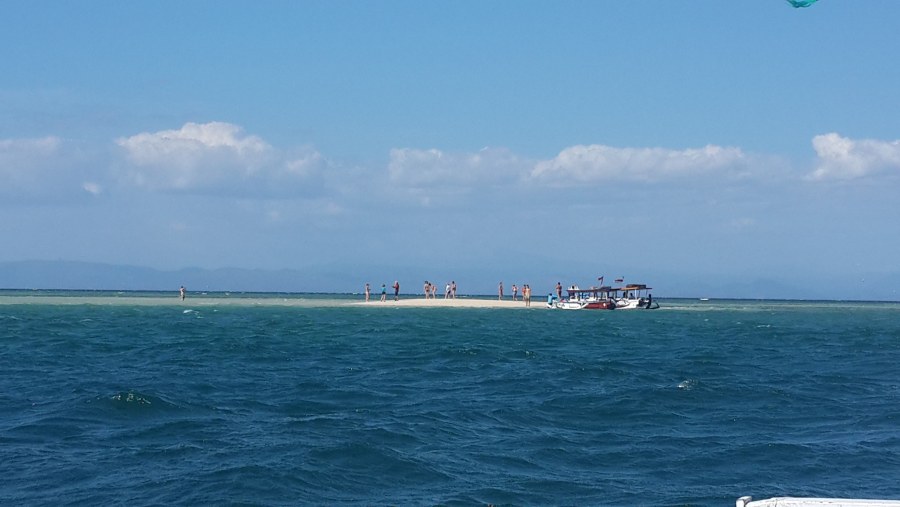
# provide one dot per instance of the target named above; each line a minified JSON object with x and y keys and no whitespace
{"x":453,"y":303}
{"x":196,"y":301}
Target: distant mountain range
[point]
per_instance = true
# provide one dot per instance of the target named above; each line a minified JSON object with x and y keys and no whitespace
{"x":333,"y":279}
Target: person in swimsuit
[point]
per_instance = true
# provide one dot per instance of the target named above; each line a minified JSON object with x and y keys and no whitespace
{"x":367,"y":292}
{"x":396,"y":290}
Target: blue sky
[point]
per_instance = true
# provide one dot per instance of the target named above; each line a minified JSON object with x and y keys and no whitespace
{"x":691,"y":145}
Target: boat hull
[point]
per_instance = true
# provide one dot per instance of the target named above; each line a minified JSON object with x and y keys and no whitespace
{"x":636,"y":304}
{"x":583,"y":305}
{"x":600,"y":305}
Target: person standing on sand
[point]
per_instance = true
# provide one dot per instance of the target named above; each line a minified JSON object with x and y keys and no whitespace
{"x":368,"y":291}
{"x":182,"y":292}
{"x":559,"y":290}
{"x":396,"y":290}
{"x":383,"y":293}
{"x":515,"y":290}
{"x":526,"y":295}
{"x":500,"y":291}
{"x":427,"y":288}
{"x":453,"y":289}
{"x":447,"y":291}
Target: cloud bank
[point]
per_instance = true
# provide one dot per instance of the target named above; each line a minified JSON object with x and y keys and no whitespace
{"x":842,"y":158}
{"x":214,"y":157}
{"x":220,"y":159}
{"x":597,"y":163}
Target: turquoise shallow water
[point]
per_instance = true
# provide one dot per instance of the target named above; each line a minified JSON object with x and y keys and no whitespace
{"x":322,"y":403}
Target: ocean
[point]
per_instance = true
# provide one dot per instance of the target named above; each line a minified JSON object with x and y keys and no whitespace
{"x":141,"y":399}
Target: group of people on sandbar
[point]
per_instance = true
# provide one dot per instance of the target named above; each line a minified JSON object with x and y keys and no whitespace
{"x":526,"y":293}
{"x":430,"y":290}
{"x":395,"y":286}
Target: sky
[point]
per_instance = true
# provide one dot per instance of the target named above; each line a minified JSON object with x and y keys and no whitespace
{"x":702,"y":146}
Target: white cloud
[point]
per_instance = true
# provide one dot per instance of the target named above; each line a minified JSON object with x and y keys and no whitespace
{"x":429,"y":168}
{"x":844,"y":158}
{"x":594,"y":163}
{"x":215,"y":157}
{"x":193,"y":140}
{"x":196,"y":156}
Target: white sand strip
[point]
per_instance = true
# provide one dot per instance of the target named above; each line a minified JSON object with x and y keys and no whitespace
{"x":195,"y":301}
{"x":454,"y":303}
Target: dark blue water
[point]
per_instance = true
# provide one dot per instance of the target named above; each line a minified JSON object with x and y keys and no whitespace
{"x":692,"y":404}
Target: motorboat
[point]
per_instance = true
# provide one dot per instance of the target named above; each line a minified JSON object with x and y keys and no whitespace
{"x":634,"y":296}
{"x":786,"y":501}
{"x":593,"y":298}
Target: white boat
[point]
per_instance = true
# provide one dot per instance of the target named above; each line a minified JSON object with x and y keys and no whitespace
{"x":567,"y":305}
{"x":635,"y":296}
{"x":594,"y":298}
{"x":786,"y":501}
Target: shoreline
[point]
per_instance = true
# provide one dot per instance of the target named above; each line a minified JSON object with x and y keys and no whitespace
{"x":205,"y":301}
{"x":64,"y":297}
{"x":452,"y":303}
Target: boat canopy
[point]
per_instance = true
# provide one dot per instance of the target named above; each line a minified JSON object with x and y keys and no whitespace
{"x":633,"y":286}
{"x":592,"y":290}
